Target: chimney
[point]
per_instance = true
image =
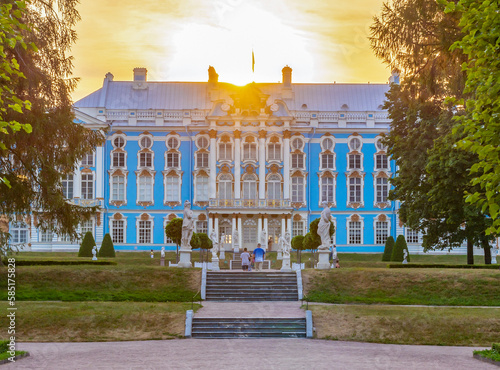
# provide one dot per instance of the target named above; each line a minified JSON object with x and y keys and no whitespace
{"x":287,"y":77}
{"x":140,"y":74}
{"x":213,"y":77}
{"x":109,"y":76}
{"x":394,"y":79}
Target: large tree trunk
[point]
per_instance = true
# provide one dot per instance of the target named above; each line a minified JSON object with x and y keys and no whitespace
{"x":487,"y":251}
{"x":470,"y":251}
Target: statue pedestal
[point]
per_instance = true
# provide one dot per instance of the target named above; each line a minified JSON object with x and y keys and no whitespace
{"x":323,"y":262}
{"x":222,"y":254}
{"x":285,"y":267}
{"x":215,"y":264}
{"x":494,"y":255}
{"x":94,"y":258}
{"x":280,"y":255}
{"x":236,"y":249}
{"x":162,"y":261}
{"x":185,"y":258}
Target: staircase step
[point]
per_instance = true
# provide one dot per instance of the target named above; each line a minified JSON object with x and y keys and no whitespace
{"x":249,"y":328}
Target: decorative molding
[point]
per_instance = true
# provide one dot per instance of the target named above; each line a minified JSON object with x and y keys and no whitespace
{"x":144,"y":217}
{"x":382,"y":218}
{"x":382,"y":205}
{"x":117,"y":203}
{"x":172,"y":204}
{"x":212,"y":134}
{"x":298,"y":205}
{"x":262,"y":134}
{"x":117,"y":216}
{"x":145,"y":204}
{"x":237,"y":134}
{"x":287,"y":134}
{"x":297,"y":217}
{"x":355,"y":218}
{"x":354,"y":205}
{"x":171,"y":216}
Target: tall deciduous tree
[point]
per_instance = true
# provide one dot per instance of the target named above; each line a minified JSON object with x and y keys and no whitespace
{"x":173,"y":230}
{"x":34,"y":164}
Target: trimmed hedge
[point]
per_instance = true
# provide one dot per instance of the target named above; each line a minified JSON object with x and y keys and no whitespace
{"x":53,"y":263}
{"x":87,"y":245}
{"x":426,"y":266}
{"x":399,"y":247}
{"x":107,"y":248}
{"x":389,"y":245}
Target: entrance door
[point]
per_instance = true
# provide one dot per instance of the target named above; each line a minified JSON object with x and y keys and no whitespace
{"x":226,"y":230}
{"x":249,"y":234}
{"x":273,"y":232}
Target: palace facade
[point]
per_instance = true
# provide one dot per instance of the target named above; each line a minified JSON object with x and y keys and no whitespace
{"x":256,"y":160}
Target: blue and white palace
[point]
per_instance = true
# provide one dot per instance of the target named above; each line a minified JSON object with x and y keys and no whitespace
{"x":254,"y":160}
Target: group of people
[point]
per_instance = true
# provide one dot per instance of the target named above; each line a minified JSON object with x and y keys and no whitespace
{"x":253,"y":260}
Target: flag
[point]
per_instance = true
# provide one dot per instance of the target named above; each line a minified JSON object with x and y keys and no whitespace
{"x":253,"y":62}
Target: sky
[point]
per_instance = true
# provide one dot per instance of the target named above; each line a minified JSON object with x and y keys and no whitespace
{"x":177,"y":40}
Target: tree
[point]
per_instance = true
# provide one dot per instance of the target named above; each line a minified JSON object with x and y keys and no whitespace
{"x":195,"y":241}
{"x":389,"y":245}
{"x":87,"y":245}
{"x":480,"y":20}
{"x":107,"y":248}
{"x":173,"y":230}
{"x":398,"y":250}
{"x":205,"y":243}
{"x":33,"y":163}
{"x":298,"y":245}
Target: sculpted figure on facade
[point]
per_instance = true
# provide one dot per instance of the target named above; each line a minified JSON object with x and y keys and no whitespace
{"x":324,"y":227}
{"x":215,"y":244}
{"x":187,"y":226}
{"x":287,"y":244}
{"x":236,"y":239}
{"x":281,"y":243}
{"x":263,"y":238}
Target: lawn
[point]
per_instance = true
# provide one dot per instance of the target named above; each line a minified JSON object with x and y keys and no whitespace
{"x":408,"y":325}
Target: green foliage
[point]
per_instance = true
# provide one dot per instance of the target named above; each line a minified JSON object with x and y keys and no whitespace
{"x":107,"y":249}
{"x":195,"y":241}
{"x":205,"y":242}
{"x":87,"y":245}
{"x":397,"y":252}
{"x":440,"y":266}
{"x":314,"y":240}
{"x":298,"y":242}
{"x":173,"y":230}
{"x":389,"y":245}
{"x":4,"y":346}
{"x":61,"y":263}
{"x":492,"y":354}
{"x":310,"y":242}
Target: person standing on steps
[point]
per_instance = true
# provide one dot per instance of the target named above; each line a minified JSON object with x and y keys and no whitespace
{"x":259,"y":254}
{"x":245,"y":260}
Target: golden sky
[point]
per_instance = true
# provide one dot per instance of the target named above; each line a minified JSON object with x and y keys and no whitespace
{"x":176,"y":40}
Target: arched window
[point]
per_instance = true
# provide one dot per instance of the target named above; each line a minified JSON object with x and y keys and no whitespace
{"x":225,"y":186}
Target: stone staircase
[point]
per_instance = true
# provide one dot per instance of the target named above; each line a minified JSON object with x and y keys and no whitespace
{"x":251,"y":286}
{"x":249,"y":328}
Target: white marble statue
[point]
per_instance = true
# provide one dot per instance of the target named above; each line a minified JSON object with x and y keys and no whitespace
{"x":494,"y":254}
{"x":222,"y":254}
{"x":281,"y":243}
{"x":263,"y":239}
{"x":94,"y":253}
{"x":405,"y":256}
{"x":236,"y":239}
{"x":324,"y":227}
{"x":187,"y":226}
{"x":162,"y":252}
{"x":334,"y":252}
{"x":287,"y":245}
{"x":215,"y":244}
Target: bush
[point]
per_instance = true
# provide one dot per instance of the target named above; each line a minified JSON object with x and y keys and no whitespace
{"x":205,"y":242}
{"x":4,"y":346}
{"x":195,"y":241}
{"x":87,"y":245}
{"x":389,"y":245}
{"x":397,"y":252}
{"x":298,"y":242}
{"x":107,"y":248}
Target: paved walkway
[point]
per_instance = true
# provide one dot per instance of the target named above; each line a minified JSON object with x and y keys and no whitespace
{"x":264,"y":309}
{"x":239,"y":354}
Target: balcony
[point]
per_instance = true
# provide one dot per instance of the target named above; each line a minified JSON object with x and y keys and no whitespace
{"x":87,"y":202}
{"x":250,"y":203}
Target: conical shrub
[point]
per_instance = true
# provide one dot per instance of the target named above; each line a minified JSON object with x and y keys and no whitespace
{"x":87,"y":245}
{"x":389,"y":245}
{"x":399,"y":247}
{"x":107,"y":248}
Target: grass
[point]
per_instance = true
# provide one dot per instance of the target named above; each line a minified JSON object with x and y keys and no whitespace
{"x":408,"y":325}
{"x":490,"y":354}
{"x":103,"y":283}
{"x":6,"y":355}
{"x":97,"y":321}
{"x":404,"y":286}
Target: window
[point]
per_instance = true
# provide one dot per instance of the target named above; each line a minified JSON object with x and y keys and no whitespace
{"x":327,"y":161}
{"x":146,"y":142}
{"x":119,"y":142}
{"x":274,"y":151}
{"x":297,"y":144}
{"x":381,"y":162}
{"x":144,"y":232}
{"x":173,"y":143}
{"x":146,"y":159}
{"x":354,"y":232}
{"x":202,"y":227}
{"x":118,"y":159}
{"x":118,"y":188}
{"x":173,"y":160}
{"x":249,"y":188}
{"x":145,"y":189}
{"x":202,"y":143}
{"x":67,"y":186}
{"x":88,"y":160}
{"x":382,"y":187}
{"x":118,"y":231}
{"x":381,"y":232}
{"x":297,"y":160}
{"x":355,"y":144}
{"x":354,"y":161}
{"x":172,"y":189}
{"x":45,"y":236}
{"x":297,"y":189}
{"x":327,"y":189}
{"x":225,"y":152}
{"x":18,"y":233}
{"x":86,"y":226}
{"x":411,"y":236}
{"x":274,"y":187}
{"x":87,"y":186}
{"x":297,"y":228}
{"x":249,"y":151}
{"x":327,"y":144}
{"x":202,"y":188}
{"x":225,"y":187}
{"x":355,"y":190}
{"x":380,"y":146}
{"x":201,"y":160}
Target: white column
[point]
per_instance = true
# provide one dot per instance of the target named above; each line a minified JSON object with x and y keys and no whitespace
{"x":77,"y":183}
{"x":237,"y":164}
{"x":233,"y":231}
{"x":286,"y":165}
{"x":267,"y":233}
{"x":99,"y":172}
{"x":240,"y":230}
{"x":259,"y":229}
{"x":283,"y":226}
{"x":210,"y":225}
{"x":262,"y":164}
{"x":216,"y":226}
{"x":289,"y":224}
{"x":213,"y":163}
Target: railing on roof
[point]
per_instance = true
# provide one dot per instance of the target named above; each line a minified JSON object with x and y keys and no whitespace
{"x":249,"y":203}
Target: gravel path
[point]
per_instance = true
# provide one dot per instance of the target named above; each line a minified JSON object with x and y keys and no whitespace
{"x":242,"y":354}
